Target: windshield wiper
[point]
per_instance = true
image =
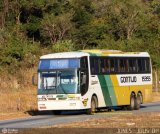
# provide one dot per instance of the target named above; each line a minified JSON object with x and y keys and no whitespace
{"x":62,"y":89}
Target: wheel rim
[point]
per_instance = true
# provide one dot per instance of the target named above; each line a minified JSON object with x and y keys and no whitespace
{"x":132,"y":102}
{"x":141,"y":99}
{"x":138,"y":100}
{"x":93,"y":106}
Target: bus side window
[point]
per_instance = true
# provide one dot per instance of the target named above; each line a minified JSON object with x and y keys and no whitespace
{"x":106,"y":65}
{"x":126,"y":65}
{"x":147,"y":65}
{"x":102,"y":66}
{"x":95,"y":65}
{"x":140,"y":66}
{"x":92,"y":66}
{"x":132,"y":65}
{"x":84,"y":78}
{"x":112,"y":65}
{"x":123,"y":65}
{"x":83,"y":82}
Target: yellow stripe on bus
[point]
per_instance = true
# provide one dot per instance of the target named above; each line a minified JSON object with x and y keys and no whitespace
{"x":123,"y":92}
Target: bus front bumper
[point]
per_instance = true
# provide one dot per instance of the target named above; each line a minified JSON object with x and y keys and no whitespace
{"x":61,"y":105}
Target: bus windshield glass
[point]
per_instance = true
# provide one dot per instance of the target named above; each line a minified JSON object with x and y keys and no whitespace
{"x":58,"y":82}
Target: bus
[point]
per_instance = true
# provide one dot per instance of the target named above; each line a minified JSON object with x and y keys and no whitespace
{"x":94,"y":79}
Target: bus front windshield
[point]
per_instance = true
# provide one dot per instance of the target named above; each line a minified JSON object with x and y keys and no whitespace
{"x":58,"y":82}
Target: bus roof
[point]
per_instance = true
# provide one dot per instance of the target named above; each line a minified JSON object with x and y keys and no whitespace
{"x":117,"y":53}
{"x":96,"y":52}
{"x":75,"y":54}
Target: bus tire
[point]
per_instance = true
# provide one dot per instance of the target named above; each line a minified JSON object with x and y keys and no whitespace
{"x":57,"y":112}
{"x":141,"y":98}
{"x":132,"y":102}
{"x":94,"y":105}
{"x":138,"y":101}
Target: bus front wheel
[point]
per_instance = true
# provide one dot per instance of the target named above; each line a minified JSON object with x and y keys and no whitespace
{"x":94,"y":103}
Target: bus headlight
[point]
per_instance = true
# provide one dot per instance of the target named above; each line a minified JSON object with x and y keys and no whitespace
{"x":42,"y":99}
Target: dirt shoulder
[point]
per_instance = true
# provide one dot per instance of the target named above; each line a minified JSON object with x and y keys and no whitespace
{"x":140,"y":120}
{"x":156,"y":96}
{"x":14,"y":115}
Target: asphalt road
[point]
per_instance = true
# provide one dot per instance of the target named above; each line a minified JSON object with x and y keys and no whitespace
{"x":48,"y":119}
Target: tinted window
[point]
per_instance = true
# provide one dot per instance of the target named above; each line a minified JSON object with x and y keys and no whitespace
{"x":84,"y":77}
{"x":147,"y":65}
{"x":132,"y":65}
{"x":119,"y":65}
{"x":123,"y":65}
{"x":105,"y":65}
{"x":95,"y":63}
{"x":143,"y":65}
{"x":102,"y":65}
{"x":113,"y":65}
{"x":84,"y":63}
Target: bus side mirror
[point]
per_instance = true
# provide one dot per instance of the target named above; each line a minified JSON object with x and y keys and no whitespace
{"x":35,"y":79}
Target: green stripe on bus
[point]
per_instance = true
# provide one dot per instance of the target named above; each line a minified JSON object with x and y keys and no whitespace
{"x":111,"y":90}
{"x":105,"y":90}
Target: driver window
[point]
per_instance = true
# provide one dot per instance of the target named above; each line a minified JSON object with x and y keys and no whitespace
{"x":84,"y":79}
{"x":83,"y":82}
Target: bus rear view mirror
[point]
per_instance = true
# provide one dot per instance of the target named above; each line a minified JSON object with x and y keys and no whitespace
{"x":35,"y":79}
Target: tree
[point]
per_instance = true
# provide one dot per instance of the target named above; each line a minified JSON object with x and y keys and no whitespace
{"x":63,"y":46}
{"x":4,"y":12}
{"x":15,"y":49}
{"x":57,"y":27}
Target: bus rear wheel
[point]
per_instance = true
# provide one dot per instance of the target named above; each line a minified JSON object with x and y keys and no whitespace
{"x":138,"y":101}
{"x":94,"y":103}
{"x":141,"y":98}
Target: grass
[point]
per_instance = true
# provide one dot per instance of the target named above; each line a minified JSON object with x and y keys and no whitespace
{"x":18,"y":101}
{"x":155,"y":96}
{"x":17,"y":94}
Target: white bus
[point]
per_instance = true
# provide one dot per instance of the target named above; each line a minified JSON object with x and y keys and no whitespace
{"x":94,"y":79}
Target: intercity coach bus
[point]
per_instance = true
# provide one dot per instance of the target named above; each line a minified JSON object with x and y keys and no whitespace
{"x":94,"y":79}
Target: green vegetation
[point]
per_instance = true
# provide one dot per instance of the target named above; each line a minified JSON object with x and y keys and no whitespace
{"x":29,"y":29}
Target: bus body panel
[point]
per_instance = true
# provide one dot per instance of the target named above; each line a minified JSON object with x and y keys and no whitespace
{"x":110,"y":89}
